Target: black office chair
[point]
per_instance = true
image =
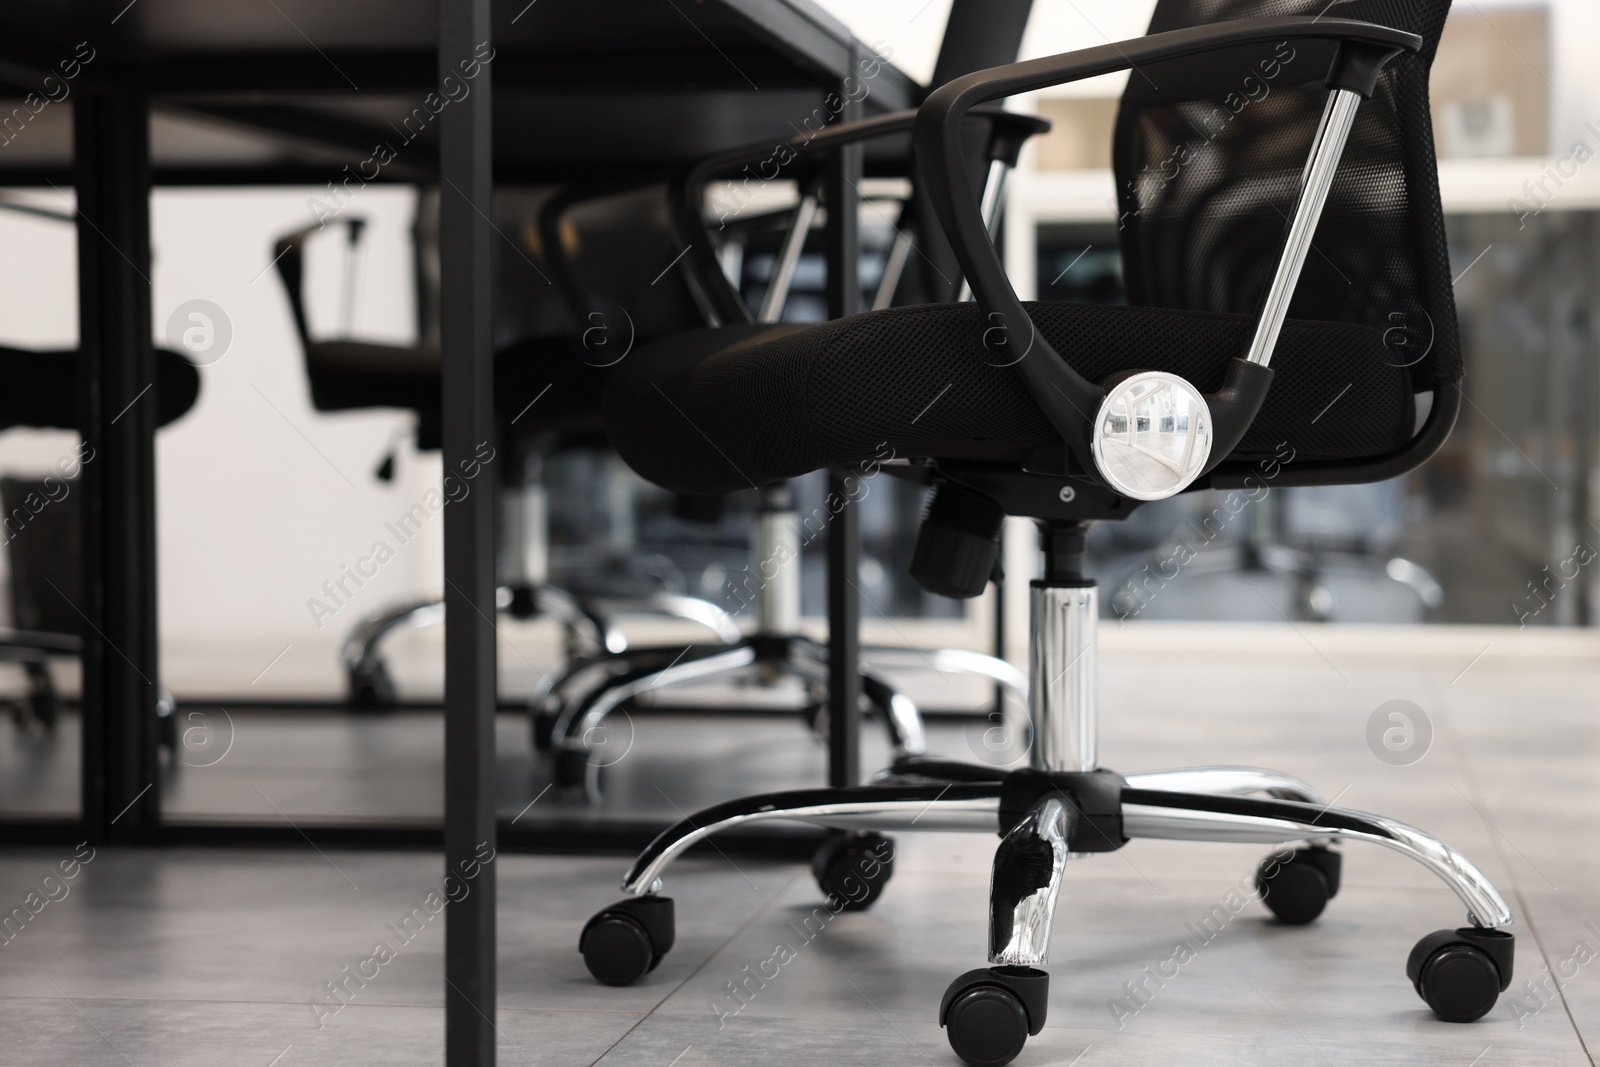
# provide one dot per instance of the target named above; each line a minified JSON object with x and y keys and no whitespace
{"x":1219,"y":203}
{"x":42,"y":523}
{"x":580,"y":701}
{"x":347,"y":374}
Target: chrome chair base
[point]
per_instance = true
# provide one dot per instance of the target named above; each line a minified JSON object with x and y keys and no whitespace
{"x":589,"y":630}
{"x":1065,"y":816}
{"x":1066,"y":807}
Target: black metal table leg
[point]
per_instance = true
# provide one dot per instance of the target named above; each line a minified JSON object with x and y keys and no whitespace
{"x":120,"y":660}
{"x":844,"y":533}
{"x":466,"y":243}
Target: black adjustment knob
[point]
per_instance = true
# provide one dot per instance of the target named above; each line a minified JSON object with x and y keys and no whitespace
{"x":958,"y":543}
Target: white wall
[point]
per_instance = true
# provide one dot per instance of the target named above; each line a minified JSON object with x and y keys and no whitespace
{"x":261,"y":499}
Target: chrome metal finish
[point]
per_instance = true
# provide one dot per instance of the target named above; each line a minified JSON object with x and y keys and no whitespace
{"x":1317,"y":179}
{"x":1152,"y":813}
{"x":950,"y":661}
{"x":1152,"y":435}
{"x":587,"y":625}
{"x":693,"y":609}
{"x":794,"y":243}
{"x":582,"y":722}
{"x":902,"y":720}
{"x":994,"y":188}
{"x":361,"y":647}
{"x":1062,"y":683}
{"x":525,"y":512}
{"x":1022,"y":906}
{"x":894,"y":268}
{"x":957,"y":807}
{"x":777,"y":568}
{"x":1236,"y":781}
{"x":636,"y":672}
{"x":1417,"y":578}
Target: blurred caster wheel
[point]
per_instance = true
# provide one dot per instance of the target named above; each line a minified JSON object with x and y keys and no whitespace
{"x":1298,"y":888}
{"x":853,"y":868}
{"x":543,"y":722}
{"x":1461,"y":973}
{"x":570,"y":769}
{"x":372,"y":688}
{"x":626,"y":941}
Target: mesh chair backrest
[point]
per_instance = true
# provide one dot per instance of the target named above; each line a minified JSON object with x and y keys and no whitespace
{"x":1209,"y":153}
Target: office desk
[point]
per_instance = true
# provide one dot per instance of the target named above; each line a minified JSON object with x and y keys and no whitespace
{"x":115,"y":96}
{"x":251,"y":91}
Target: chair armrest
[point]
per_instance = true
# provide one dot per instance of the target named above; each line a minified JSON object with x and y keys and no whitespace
{"x":686,"y":198}
{"x":1061,"y":393}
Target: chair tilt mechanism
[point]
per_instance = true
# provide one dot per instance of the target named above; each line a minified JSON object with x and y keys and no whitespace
{"x":1184,"y":402}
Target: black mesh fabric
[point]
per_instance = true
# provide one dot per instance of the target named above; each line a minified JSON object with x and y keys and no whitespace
{"x":1208,"y":156}
{"x":713,"y":411}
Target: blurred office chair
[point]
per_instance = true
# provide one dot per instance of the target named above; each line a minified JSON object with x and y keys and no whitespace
{"x":1319,"y":538}
{"x":42,"y":522}
{"x":347,"y":374}
{"x":1071,"y":413}
{"x":579,"y":703}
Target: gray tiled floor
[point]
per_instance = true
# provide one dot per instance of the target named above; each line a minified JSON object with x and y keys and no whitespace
{"x":183,"y":957}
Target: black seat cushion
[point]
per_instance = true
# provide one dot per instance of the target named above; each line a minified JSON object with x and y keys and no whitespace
{"x":712,"y":411}
{"x":349,"y":375}
{"x":41,"y":388}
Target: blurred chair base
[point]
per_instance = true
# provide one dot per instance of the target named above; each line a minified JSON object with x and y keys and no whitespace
{"x":589,"y":630}
{"x":570,"y":718}
{"x":1313,"y":599}
{"x":40,"y":707}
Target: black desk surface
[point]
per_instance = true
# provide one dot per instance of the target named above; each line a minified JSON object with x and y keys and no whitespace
{"x":292,"y":90}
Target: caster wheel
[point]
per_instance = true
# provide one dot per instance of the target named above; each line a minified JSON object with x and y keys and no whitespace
{"x":815,"y":716}
{"x":543,"y":721}
{"x":372,"y":688}
{"x":1461,"y":973}
{"x":1298,"y":888}
{"x":167,"y":725}
{"x":988,"y":1015}
{"x":524,"y":602}
{"x":627,"y":941}
{"x":42,"y":708}
{"x":571,"y":768}
{"x":854,"y":868}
